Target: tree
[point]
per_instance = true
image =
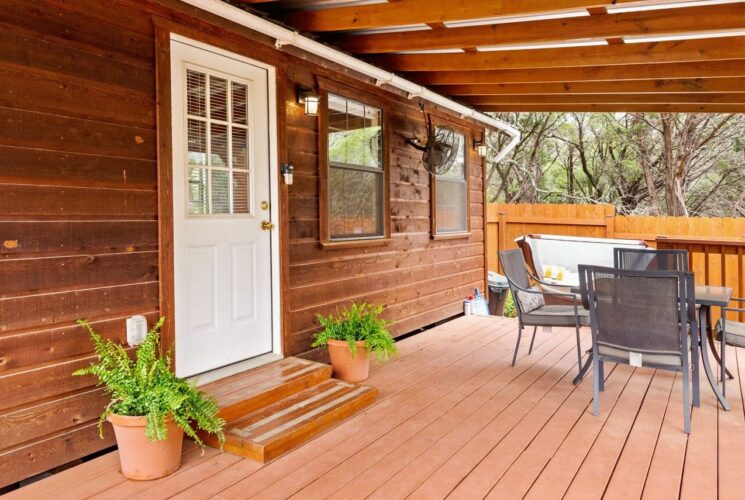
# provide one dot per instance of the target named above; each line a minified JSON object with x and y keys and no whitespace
{"x":643,"y":163}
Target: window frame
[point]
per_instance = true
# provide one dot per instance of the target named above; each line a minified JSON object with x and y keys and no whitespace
{"x":435,"y":234}
{"x":354,"y":94}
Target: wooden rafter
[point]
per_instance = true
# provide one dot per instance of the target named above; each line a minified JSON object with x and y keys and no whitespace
{"x":689,"y":75}
{"x":704,"y":69}
{"x":639,"y":53}
{"x":616,"y":107}
{"x":660,"y":22}
{"x":684,"y":85}
{"x":694,"y":98}
{"x":406,"y":12}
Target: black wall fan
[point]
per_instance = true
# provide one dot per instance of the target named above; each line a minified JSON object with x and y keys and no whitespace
{"x":441,"y":149}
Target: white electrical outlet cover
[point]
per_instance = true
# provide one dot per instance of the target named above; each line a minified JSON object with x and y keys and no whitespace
{"x":136,"y":330}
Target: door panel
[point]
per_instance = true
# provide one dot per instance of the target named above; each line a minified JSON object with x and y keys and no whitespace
{"x":222,"y":257}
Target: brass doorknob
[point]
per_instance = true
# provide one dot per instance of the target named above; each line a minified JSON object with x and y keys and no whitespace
{"x":266,"y":225}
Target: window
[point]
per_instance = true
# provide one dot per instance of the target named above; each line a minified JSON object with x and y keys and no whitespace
{"x":217,"y":126}
{"x":451,"y":195}
{"x":356,"y":192}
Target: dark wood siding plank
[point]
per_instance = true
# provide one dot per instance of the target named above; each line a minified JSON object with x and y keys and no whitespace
{"x":20,"y":277}
{"x":26,"y":50}
{"x":48,"y":238}
{"x":29,"y":348}
{"x":26,"y":386}
{"x":77,"y":29}
{"x":73,"y":135}
{"x":51,"y":309}
{"x":36,"y":166}
{"x":52,"y":416}
{"x":35,"y":92}
{"x":52,"y":451}
{"x":24,"y":201}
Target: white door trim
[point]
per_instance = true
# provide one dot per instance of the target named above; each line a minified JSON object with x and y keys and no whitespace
{"x":273,"y":182}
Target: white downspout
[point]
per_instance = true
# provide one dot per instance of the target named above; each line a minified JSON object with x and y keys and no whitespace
{"x":283,"y":36}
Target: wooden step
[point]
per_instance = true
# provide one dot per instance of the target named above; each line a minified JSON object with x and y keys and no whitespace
{"x":267,"y":433}
{"x":249,"y":391}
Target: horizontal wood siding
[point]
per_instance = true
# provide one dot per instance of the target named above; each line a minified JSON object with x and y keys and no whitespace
{"x":78,"y":217}
{"x":79,"y":212}
{"x":419,"y":280}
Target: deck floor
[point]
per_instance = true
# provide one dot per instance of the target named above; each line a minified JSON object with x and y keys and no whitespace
{"x":455,"y":420}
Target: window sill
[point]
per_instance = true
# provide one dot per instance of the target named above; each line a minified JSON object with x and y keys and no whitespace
{"x":334,"y":245}
{"x":451,"y":236}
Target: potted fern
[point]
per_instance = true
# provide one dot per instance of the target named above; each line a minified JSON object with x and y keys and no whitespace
{"x":150,"y":408}
{"x":351,"y":336}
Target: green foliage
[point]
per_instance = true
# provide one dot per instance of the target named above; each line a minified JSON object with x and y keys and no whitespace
{"x":146,"y":386}
{"x":358,"y":322}
{"x":642,"y":163}
{"x":509,"y":306}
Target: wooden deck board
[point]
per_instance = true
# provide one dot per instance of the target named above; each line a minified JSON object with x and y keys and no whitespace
{"x":495,"y":392}
{"x":455,"y":419}
{"x":628,"y":477}
{"x":700,"y":470}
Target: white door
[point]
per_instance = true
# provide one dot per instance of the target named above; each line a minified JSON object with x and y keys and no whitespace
{"x":221,"y":195}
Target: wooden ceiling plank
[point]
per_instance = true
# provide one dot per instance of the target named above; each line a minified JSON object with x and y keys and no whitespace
{"x":406,"y":12}
{"x":639,"y":53}
{"x":615,"y":26}
{"x":704,"y":69}
{"x":683,"y":85}
{"x":614,"y":108}
{"x":693,"y":98}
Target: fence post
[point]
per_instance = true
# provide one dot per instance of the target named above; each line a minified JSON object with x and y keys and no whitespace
{"x":501,"y":236}
{"x":610,"y":221}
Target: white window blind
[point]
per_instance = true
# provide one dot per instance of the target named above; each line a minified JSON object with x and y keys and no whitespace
{"x":218,"y":141}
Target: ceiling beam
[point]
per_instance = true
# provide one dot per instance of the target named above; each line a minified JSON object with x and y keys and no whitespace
{"x":614,"y":108}
{"x":405,"y":12}
{"x":637,"y":53}
{"x":704,"y":69}
{"x":686,"y":85}
{"x":694,"y":98}
{"x":655,"y":22}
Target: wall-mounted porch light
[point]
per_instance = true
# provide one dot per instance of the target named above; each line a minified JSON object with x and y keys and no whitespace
{"x":287,"y":171}
{"x":481,"y":148}
{"x":307,"y":97}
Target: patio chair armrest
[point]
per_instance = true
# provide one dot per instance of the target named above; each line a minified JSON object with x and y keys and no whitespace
{"x":539,"y":280}
{"x":732,"y":309}
{"x":563,"y":295}
{"x":724,"y":315}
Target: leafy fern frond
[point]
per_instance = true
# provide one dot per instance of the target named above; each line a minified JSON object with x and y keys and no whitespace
{"x":146,"y":386}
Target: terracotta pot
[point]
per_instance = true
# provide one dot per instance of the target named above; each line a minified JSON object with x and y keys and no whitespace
{"x":346,"y":366}
{"x":142,"y":459}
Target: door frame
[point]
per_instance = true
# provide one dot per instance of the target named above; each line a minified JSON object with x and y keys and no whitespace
{"x":166,"y":33}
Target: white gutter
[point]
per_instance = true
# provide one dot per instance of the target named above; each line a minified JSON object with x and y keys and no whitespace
{"x":283,"y":36}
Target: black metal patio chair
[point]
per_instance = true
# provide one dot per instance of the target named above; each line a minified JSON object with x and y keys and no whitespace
{"x":641,"y":318}
{"x":530,"y":304}
{"x":650,"y":259}
{"x":729,"y":333}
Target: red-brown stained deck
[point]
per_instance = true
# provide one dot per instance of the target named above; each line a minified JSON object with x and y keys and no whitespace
{"x":454,"y":419}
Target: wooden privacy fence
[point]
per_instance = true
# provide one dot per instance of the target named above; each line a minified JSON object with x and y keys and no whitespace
{"x":716,"y":246}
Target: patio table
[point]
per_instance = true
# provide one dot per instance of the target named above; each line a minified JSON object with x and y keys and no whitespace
{"x":706,"y":298}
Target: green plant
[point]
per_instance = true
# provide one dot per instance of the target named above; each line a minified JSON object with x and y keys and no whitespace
{"x":358,"y":322}
{"x":146,"y":386}
{"x":509,"y":306}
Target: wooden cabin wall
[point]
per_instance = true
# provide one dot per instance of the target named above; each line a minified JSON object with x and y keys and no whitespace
{"x":79,"y":218}
{"x":419,"y":280}
{"x":78,"y":210}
